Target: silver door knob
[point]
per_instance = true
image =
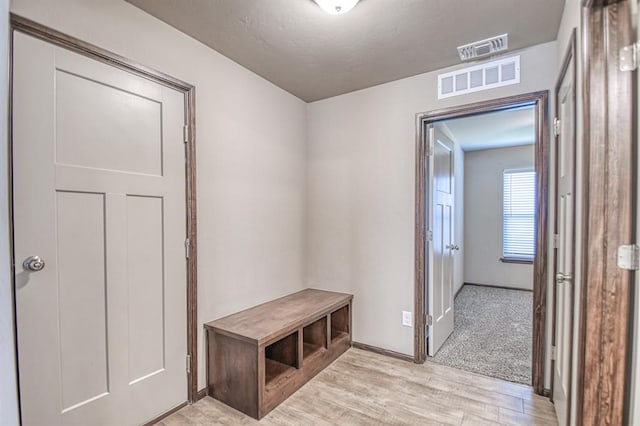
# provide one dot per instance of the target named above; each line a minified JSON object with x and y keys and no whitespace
{"x":560,"y":277}
{"x":33,"y":263}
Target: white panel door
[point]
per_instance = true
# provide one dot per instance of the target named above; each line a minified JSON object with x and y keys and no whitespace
{"x":565,"y":252}
{"x":442,"y":245}
{"x":99,"y":195}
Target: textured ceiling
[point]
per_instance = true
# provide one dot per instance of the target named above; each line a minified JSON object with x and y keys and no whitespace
{"x":494,"y":130}
{"x":314,"y":55}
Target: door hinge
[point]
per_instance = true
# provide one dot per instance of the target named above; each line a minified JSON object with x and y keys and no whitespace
{"x":429,"y":235}
{"x":556,"y":240}
{"x":629,"y":57}
{"x":629,"y":257}
{"x":556,"y":126}
{"x":428,"y":320}
{"x":188,"y":364}
{"x":554,"y":353}
{"x":187,"y":247}
{"x":185,"y":133}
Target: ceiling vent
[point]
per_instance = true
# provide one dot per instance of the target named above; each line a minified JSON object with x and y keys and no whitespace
{"x":482,"y":48}
{"x":484,"y":76}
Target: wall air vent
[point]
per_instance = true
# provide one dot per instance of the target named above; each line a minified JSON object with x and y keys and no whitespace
{"x":489,"y":75}
{"x":482,"y":48}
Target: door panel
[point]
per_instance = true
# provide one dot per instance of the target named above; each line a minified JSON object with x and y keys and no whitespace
{"x":440,"y":268}
{"x":84,"y":366}
{"x":99,"y":194}
{"x":119,"y":130}
{"x":146,"y":286}
{"x":565,"y":253}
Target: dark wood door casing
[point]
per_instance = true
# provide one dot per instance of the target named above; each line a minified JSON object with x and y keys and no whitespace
{"x":609,"y":191}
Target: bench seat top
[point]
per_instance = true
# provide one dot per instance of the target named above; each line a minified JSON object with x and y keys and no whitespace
{"x":279,"y":317}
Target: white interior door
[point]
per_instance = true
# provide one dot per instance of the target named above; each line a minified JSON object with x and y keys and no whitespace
{"x":565,"y":255}
{"x":440,"y":268}
{"x":99,"y":195}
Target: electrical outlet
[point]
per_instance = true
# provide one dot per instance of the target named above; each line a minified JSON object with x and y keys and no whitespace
{"x":407,"y":319}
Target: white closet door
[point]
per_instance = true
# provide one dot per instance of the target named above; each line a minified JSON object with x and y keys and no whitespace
{"x":440,"y":267}
{"x":99,"y":196}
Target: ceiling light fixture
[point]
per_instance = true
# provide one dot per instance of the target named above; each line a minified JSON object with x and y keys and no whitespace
{"x":336,"y":7}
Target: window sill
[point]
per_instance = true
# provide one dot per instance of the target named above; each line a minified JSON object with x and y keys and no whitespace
{"x":516,"y":260}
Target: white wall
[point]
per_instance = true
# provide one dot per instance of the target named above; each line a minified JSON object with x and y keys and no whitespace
{"x":8,"y":388}
{"x":251,"y":151}
{"x":361,"y":174}
{"x":483,"y":217}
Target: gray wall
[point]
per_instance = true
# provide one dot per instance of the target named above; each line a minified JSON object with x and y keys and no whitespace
{"x":251,"y":154}
{"x":361,"y":173}
{"x":483,"y":217}
{"x":8,"y":388}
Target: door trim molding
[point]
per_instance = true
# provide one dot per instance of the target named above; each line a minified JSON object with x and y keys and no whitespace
{"x":609,"y":180}
{"x":569,"y":56}
{"x":57,"y":38}
{"x":540,"y":266}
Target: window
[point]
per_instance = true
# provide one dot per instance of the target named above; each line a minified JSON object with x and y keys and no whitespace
{"x":519,"y":215}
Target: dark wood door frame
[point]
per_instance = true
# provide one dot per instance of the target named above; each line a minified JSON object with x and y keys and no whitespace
{"x":609,"y":208}
{"x":565,"y":70}
{"x":540,"y":100}
{"x":49,"y":35}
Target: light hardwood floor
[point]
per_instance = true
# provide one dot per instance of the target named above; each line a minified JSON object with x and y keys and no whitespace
{"x":363,"y":388}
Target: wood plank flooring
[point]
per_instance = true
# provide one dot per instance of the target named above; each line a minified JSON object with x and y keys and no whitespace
{"x":363,"y":388}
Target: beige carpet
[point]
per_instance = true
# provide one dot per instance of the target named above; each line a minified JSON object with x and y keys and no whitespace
{"x":492,"y":333}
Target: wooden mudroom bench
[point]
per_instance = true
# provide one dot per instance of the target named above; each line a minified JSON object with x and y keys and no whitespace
{"x":260,"y":356}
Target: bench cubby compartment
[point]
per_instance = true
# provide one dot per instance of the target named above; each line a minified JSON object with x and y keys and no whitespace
{"x":340,"y":323}
{"x":281,"y":358}
{"x":315,"y":338}
{"x":260,"y":356}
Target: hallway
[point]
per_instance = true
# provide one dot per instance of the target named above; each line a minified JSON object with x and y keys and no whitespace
{"x":492,"y":334}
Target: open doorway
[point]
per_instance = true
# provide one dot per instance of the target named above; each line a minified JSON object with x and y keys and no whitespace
{"x":485,"y":240}
{"x":493,"y":244}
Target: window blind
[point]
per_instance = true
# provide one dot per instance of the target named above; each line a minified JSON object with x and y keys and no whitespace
{"x":519,"y":214}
